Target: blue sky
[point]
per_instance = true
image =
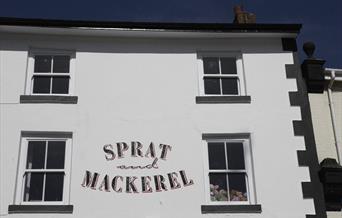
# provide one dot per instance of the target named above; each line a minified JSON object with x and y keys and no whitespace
{"x":322,"y":20}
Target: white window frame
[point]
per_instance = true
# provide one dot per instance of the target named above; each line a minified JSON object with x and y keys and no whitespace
{"x":248,"y":170}
{"x":52,"y":52}
{"x":20,"y":185}
{"x":239,"y":68}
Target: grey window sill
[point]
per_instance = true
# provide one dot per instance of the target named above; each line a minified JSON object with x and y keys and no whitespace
{"x":40,"y":208}
{"x":249,"y":208}
{"x":48,"y":99}
{"x":243,"y":99}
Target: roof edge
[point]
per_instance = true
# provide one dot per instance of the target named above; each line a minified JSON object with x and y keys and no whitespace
{"x":198,"y":27}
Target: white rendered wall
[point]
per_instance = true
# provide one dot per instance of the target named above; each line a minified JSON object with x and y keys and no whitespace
{"x":334,"y":214}
{"x":145,"y":89}
{"x":322,"y":123}
{"x":321,"y":120}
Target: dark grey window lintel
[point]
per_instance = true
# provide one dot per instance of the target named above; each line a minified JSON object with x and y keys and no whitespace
{"x":208,"y":136}
{"x":46,"y":134}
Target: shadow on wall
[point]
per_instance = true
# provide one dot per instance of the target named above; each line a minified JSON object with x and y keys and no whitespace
{"x":138,"y":45}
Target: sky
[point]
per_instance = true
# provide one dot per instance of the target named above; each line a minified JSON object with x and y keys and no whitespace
{"x":322,"y":20}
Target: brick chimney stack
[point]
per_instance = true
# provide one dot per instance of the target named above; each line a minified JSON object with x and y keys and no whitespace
{"x":242,"y":16}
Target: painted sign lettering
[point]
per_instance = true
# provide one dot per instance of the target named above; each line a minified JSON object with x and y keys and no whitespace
{"x":136,"y":184}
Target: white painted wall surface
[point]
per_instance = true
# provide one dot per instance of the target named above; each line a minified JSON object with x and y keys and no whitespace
{"x":145,"y":89}
{"x":334,"y":214}
{"x":321,"y":120}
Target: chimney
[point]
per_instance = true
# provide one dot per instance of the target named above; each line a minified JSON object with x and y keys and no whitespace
{"x":242,"y":16}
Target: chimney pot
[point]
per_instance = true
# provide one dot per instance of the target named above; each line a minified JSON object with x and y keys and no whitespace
{"x":242,"y":16}
{"x":238,"y":9}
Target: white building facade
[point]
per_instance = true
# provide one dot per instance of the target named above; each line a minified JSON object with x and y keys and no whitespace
{"x":154,"y":121}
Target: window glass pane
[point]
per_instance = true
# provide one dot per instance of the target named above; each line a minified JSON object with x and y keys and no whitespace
{"x":54,"y":187}
{"x":218,"y":187}
{"x":237,"y":187}
{"x":60,"y":85}
{"x":235,"y":154}
{"x":228,"y":66}
{"x":41,"y":84}
{"x":211,"y":65}
{"x":61,"y":64}
{"x":217,"y":159}
{"x":212,"y":86}
{"x":33,"y":187}
{"x":36,"y":155}
{"x":230,"y":86}
{"x":42,"y":64}
{"x":55,"y":155}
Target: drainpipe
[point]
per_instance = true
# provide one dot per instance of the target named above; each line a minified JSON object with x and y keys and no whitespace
{"x":333,"y":117}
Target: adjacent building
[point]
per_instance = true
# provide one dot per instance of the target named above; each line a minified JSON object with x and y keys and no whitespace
{"x":326,"y":108}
